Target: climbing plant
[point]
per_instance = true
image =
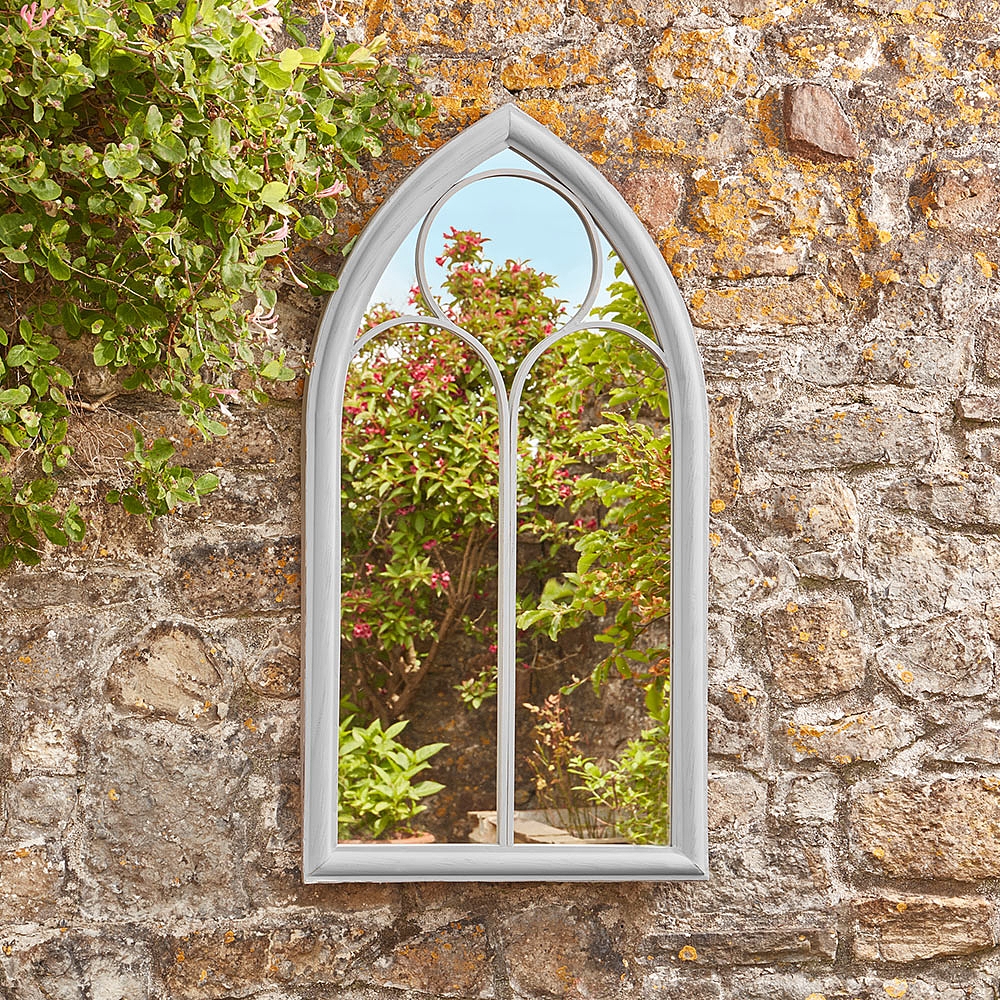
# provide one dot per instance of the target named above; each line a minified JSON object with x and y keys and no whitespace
{"x":160,"y":168}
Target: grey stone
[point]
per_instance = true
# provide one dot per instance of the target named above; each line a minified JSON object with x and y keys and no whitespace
{"x":170,"y":673}
{"x":984,"y":408}
{"x":165,"y":813}
{"x":912,"y":828}
{"x":916,"y":928}
{"x":841,"y":738}
{"x":951,"y":655}
{"x":811,"y":437}
{"x":749,"y":945}
{"x":815,"y":649}
{"x":956,"y":496}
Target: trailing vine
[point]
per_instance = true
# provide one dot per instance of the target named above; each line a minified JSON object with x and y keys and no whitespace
{"x":160,"y":167}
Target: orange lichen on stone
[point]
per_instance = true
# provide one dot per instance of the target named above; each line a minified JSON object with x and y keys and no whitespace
{"x":705,"y":63}
{"x":553,"y":70}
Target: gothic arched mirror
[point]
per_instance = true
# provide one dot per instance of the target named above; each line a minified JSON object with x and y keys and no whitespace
{"x":505,"y":535}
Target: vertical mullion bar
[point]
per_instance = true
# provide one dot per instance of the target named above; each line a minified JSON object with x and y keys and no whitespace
{"x":506,"y":621}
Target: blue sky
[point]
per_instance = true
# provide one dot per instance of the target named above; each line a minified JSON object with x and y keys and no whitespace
{"x":523,"y":221}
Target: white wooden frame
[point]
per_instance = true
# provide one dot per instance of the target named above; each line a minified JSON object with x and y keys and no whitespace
{"x":687,"y":855}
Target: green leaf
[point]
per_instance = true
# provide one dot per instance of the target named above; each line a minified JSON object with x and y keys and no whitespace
{"x":20,"y":355}
{"x":45,"y":189}
{"x":154,"y":121}
{"x":132,"y":503}
{"x":105,"y":352}
{"x":271,"y":75}
{"x":57,"y":268}
{"x":15,"y":397}
{"x":206,"y":483}
{"x":290,"y":60}
{"x":201,"y":189}
{"x":169,"y":148}
{"x":309,"y":227}
{"x":273,"y":193}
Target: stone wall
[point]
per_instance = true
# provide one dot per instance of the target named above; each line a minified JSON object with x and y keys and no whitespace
{"x":823,"y":179}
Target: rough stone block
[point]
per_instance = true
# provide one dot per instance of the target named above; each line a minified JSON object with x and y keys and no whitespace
{"x":840,"y":738}
{"x":43,"y":657}
{"x":40,"y":806}
{"x":951,"y":655}
{"x":815,"y":124}
{"x":705,"y":63}
{"x":910,"y":828}
{"x":163,"y":809}
{"x":954,"y":497}
{"x":990,"y":340}
{"x":723,"y":414}
{"x":886,"y":354}
{"x":917,"y":928}
{"x":551,"y":952}
{"x":810,"y":801}
{"x":984,"y":408}
{"x":916,"y":573}
{"x":815,"y":522}
{"x":170,"y":673}
{"x":655,"y":196}
{"x":804,"y":302}
{"x":737,"y":714}
{"x":48,"y":746}
{"x":71,"y":963}
{"x":736,"y":803}
{"x":963,"y":203}
{"x":567,"y":66}
{"x":819,"y":437}
{"x":455,"y":959}
{"x":741,"y":574}
{"x":815,"y":649}
{"x":749,"y":945}
{"x":275,"y":670}
{"x":217,"y":576}
{"x":227,"y":958}
{"x":30,"y":883}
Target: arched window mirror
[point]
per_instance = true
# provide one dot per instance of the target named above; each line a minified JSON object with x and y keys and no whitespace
{"x":505,"y":533}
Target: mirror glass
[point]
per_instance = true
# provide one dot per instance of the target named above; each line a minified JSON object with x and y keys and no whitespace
{"x":511,"y":263}
{"x":592,"y":731}
{"x":419,"y":605}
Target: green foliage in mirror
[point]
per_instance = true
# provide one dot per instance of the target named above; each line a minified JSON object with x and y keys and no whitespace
{"x":376,"y":793}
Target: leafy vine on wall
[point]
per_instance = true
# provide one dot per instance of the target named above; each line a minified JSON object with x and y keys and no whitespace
{"x":159,"y":166}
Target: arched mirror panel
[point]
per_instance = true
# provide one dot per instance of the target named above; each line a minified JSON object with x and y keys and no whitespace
{"x":505,"y":535}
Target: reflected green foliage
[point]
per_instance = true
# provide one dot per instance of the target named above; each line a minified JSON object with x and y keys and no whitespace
{"x":419,"y":502}
{"x":376,"y":792}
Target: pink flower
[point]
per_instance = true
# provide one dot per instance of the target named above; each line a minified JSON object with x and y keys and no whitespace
{"x":336,"y":188}
{"x":362,"y":631}
{"x":440,"y":580}
{"x":28,"y":15}
{"x":279,"y":234}
{"x":429,"y":545}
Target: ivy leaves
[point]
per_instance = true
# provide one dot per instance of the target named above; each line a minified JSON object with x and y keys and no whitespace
{"x":157,"y":174}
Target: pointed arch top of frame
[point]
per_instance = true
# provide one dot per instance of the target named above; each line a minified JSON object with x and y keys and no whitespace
{"x":687,"y":855}
{"x":510,"y":128}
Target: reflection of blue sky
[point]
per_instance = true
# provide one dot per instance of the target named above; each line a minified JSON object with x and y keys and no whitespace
{"x":523,"y":221}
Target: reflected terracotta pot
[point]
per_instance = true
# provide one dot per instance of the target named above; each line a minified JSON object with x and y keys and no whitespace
{"x":410,"y":838}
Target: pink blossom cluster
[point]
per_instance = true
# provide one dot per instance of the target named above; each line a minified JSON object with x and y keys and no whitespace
{"x":28,"y":15}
